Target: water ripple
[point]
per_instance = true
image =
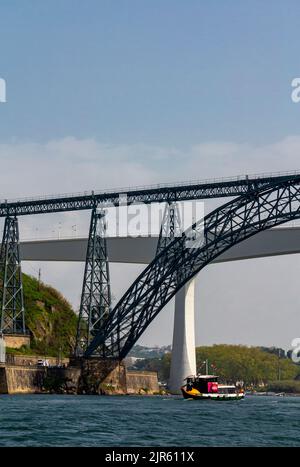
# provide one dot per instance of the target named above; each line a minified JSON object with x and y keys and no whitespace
{"x":34,"y":420}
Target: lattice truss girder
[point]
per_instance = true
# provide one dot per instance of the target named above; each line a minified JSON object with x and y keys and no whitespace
{"x":12,"y":318}
{"x":96,"y":295}
{"x":159,"y":194}
{"x":178,"y":262}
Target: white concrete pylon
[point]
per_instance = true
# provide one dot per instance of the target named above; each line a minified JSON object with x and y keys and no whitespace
{"x":183,"y":359}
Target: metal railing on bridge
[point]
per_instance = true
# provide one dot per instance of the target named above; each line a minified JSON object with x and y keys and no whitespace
{"x":155,"y":186}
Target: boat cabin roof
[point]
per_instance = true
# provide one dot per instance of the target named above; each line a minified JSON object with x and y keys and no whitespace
{"x":201,"y":377}
{"x":206,"y":376}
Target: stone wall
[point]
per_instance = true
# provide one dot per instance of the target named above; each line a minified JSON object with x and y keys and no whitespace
{"x":99,"y":376}
{"x":15,"y":341}
{"x":17,"y":379}
{"x":94,"y":376}
{"x":142,"y":382}
{"x":3,"y":382}
{"x":62,"y":380}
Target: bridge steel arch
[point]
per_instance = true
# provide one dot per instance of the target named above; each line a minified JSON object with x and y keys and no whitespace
{"x":183,"y":258}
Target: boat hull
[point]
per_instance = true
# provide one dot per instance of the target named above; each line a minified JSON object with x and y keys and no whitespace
{"x":213,"y":396}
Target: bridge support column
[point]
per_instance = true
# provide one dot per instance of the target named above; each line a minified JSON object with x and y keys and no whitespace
{"x":96,"y":295}
{"x":12,"y":318}
{"x":183,"y":359}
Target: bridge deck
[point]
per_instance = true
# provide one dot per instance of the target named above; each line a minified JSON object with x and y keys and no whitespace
{"x":141,"y":250}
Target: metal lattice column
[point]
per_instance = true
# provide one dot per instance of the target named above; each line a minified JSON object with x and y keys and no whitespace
{"x":170,"y":226}
{"x":12,"y":299}
{"x":96,"y":295}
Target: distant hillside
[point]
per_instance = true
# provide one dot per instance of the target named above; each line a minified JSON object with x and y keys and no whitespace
{"x":140,"y":351}
{"x":252,"y":365}
{"x":232,"y":363}
{"x":49,"y":318}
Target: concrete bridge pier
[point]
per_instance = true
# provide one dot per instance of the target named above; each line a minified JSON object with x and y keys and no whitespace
{"x":183,"y":359}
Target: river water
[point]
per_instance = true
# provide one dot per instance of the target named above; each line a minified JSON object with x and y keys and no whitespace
{"x":50,"y":420}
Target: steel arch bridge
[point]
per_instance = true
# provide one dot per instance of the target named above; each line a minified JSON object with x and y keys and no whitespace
{"x":185,"y":256}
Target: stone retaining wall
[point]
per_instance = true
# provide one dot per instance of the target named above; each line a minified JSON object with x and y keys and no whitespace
{"x":141,"y":382}
{"x":16,"y":379}
{"x":92,"y":376}
{"x":15,"y":341}
{"x":99,"y":376}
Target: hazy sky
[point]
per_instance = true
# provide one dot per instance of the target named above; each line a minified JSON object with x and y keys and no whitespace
{"x":125,"y":92}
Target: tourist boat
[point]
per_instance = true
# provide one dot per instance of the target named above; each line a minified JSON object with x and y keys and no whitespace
{"x":206,"y":387}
